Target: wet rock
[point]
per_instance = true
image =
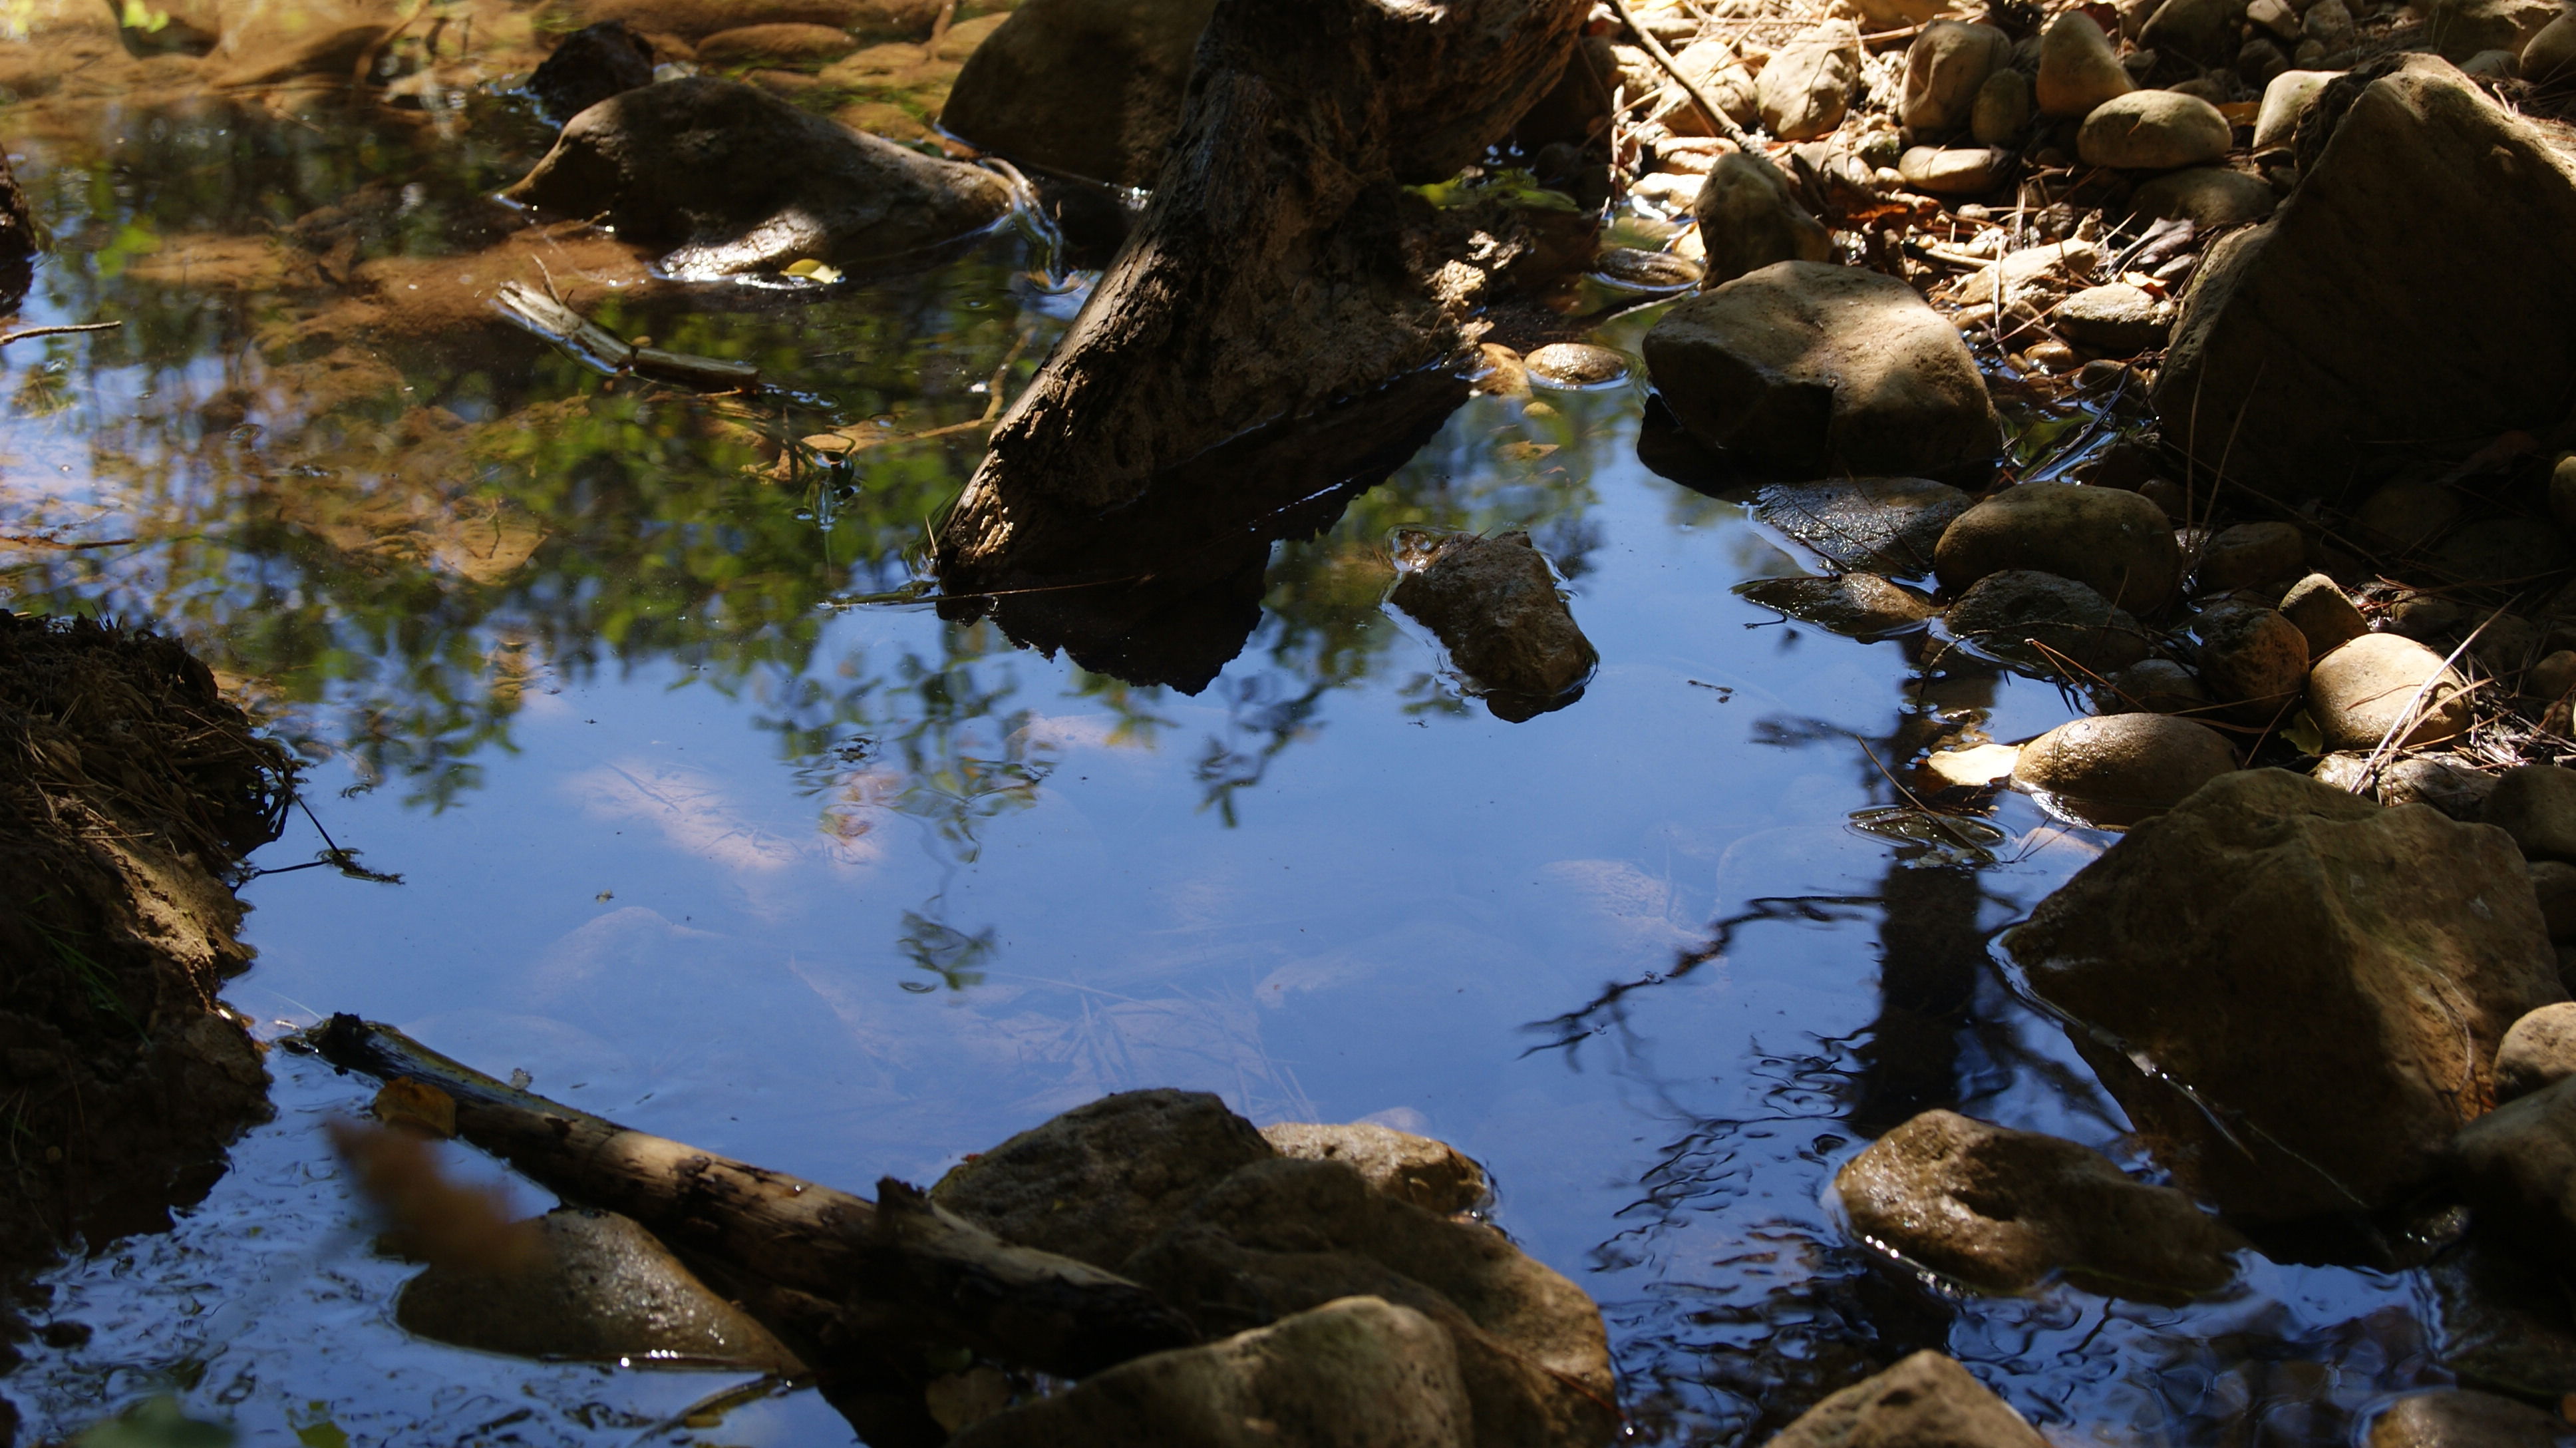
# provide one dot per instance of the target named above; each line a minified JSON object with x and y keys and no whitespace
{"x":1748,"y":219}
{"x":1279,"y":1237}
{"x":2323,"y":613}
{"x":1862,"y":605}
{"x":2462,"y":1418}
{"x":2460,"y":29}
{"x":2286,"y":97}
{"x":2536,"y":804}
{"x":1806,"y":88}
{"x":1432,"y":1175}
{"x":2335,"y":324}
{"x":789,"y":44}
{"x":1357,"y":1372}
{"x":2203,"y":31}
{"x":2271,"y":932}
{"x":2153,"y":131}
{"x":1869,"y":525}
{"x":2551,"y":53}
{"x":2430,"y":779}
{"x":2114,"y":770}
{"x":1494,"y":603}
{"x":1955,"y":170}
{"x":2540,"y":1050}
{"x":737,"y":180}
{"x":2505,"y":1322}
{"x":1087,"y":87}
{"x":2115,"y":542}
{"x":1575,"y":364}
{"x":2248,"y":554}
{"x":603,"y":1289}
{"x":2364,"y":689}
{"x":2000,"y":1210}
{"x":1807,"y":369}
{"x":1944,"y":68}
{"x":2516,"y":1168}
{"x":2078,"y":69}
{"x":1926,"y":1401}
{"x":1977,"y":768}
{"x":2210,"y":197}
{"x":2118,"y":319}
{"x":2155,"y":686}
{"x":593,"y":63}
{"x":2043,"y":622}
{"x":1102,"y":1180}
{"x":2003,"y":109}
{"x":2253,"y":661}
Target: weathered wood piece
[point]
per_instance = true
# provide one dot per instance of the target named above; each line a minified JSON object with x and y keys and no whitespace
{"x":1280,"y":271}
{"x":879,"y":1263}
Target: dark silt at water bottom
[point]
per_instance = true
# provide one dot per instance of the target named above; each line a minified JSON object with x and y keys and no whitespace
{"x":705,"y":828}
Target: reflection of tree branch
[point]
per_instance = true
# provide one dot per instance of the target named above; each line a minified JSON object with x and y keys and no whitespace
{"x":1575,"y":1026}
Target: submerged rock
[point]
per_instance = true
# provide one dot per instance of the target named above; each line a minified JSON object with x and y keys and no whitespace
{"x":1862,"y":605}
{"x":2044,"y":622}
{"x":2342,"y":322}
{"x":593,"y":63}
{"x":737,"y":180}
{"x":1749,"y":219}
{"x":2461,"y":1418}
{"x":1926,"y":1401}
{"x":1356,"y":1372}
{"x":1494,"y":603}
{"x":2505,"y":1320}
{"x":2270,"y":933}
{"x":1872,"y":525}
{"x":1806,"y":369}
{"x":603,"y":1288}
{"x":2114,"y":770}
{"x":1432,"y":1175}
{"x":1575,"y":364}
{"x":2000,"y":1210}
{"x":2361,"y":692}
{"x":2538,"y":1052}
{"x":2116,"y":543}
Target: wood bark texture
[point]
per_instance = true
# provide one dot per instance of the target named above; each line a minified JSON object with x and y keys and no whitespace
{"x":898,"y":1261}
{"x":1280,"y":271}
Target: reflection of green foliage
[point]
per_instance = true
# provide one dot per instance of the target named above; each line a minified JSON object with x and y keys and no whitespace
{"x":1511,"y":186}
{"x":154,"y":1423}
{"x":952,"y":956}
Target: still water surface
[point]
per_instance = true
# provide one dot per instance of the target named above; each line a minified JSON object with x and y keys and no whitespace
{"x":708,"y":835}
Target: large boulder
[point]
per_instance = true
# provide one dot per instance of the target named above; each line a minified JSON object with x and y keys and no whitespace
{"x":735,"y":180}
{"x":1357,"y":1372}
{"x":1086,"y":87}
{"x":2000,"y":1210}
{"x":2114,"y":770}
{"x":2117,"y":543}
{"x":1807,"y":369}
{"x":1926,"y":1401}
{"x":2270,"y":933}
{"x":2350,"y":319}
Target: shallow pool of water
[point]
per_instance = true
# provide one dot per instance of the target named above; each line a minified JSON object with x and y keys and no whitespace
{"x":701,"y":823}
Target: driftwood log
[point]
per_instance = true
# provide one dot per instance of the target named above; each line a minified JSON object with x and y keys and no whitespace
{"x":1282,"y":325}
{"x":821,"y":1265}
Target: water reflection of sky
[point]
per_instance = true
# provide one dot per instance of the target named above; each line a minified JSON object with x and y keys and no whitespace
{"x":712,"y":846}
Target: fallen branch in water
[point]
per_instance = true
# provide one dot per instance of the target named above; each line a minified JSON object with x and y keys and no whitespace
{"x":895,"y":1267}
{"x":31,"y":332}
{"x":548,"y":317}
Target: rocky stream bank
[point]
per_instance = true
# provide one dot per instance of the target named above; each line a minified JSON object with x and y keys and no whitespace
{"x":2210,"y":360}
